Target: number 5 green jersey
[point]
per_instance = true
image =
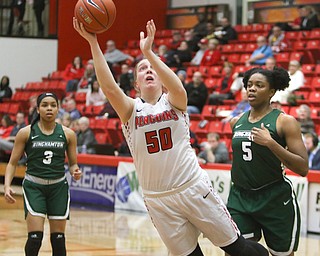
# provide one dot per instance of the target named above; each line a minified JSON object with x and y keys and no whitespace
{"x":46,"y":153}
{"x":255,"y":166}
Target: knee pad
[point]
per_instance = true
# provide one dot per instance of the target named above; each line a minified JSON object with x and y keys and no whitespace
{"x":58,"y":244}
{"x":33,"y":244}
{"x":243,"y":247}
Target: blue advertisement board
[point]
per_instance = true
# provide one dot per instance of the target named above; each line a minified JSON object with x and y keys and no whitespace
{"x":96,"y":187}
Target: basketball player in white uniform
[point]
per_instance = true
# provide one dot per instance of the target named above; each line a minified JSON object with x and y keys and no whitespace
{"x":178,"y":193}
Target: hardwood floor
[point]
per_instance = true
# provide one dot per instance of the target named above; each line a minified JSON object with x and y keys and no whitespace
{"x":97,"y":233}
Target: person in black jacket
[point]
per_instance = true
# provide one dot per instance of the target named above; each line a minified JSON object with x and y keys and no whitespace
{"x":197,"y":94}
{"x":5,"y":90}
{"x":226,"y":32}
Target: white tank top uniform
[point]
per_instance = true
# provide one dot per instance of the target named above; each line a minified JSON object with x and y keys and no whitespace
{"x":177,"y":191}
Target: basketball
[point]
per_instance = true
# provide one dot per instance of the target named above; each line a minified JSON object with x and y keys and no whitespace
{"x":97,"y":16}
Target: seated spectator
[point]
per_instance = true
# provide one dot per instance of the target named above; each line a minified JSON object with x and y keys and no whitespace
{"x":6,"y":126}
{"x":6,"y":143}
{"x":241,"y":107}
{"x":295,"y":24}
{"x":32,"y":112}
{"x":311,"y":142}
{"x":296,"y":82}
{"x":260,"y":55}
{"x":309,"y":19}
{"x":191,"y":41}
{"x":114,"y":56}
{"x":95,"y":96}
{"x":200,"y":28}
{"x":226,"y":32}
{"x":73,"y":73}
{"x":5,"y":90}
{"x":108,"y":111}
{"x":223,"y":91}
{"x":211,"y":29}
{"x":88,"y":77}
{"x":275,"y":104}
{"x":163,"y":52}
{"x":213,"y":151}
{"x":85,"y":137}
{"x":203,"y":46}
{"x":71,"y":108}
{"x":197,"y":93}
{"x":182,"y":74}
{"x":277,"y":39}
{"x":126,"y":79}
{"x":212,"y":56}
{"x":305,"y":120}
{"x":176,"y":40}
{"x":66,"y":120}
{"x":176,"y":58}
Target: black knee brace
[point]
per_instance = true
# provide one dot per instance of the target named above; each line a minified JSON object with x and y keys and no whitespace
{"x":58,"y":244}
{"x":243,"y":247}
{"x":33,"y":244}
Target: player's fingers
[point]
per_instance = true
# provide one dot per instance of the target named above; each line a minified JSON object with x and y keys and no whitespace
{"x":141,"y":35}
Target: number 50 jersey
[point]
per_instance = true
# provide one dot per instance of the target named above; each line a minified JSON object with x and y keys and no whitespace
{"x":159,"y":140}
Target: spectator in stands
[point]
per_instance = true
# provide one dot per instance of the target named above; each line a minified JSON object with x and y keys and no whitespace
{"x":66,"y":120}
{"x":73,"y":73}
{"x":212,"y":56}
{"x":275,"y":104}
{"x":86,"y":140}
{"x":203,"y":46}
{"x":95,"y":96}
{"x":32,"y":112}
{"x":304,"y":118}
{"x":17,"y":8}
{"x":180,"y":56}
{"x":296,"y":82}
{"x":176,"y":40}
{"x":200,"y":28}
{"x":88,"y":77}
{"x":277,"y":39}
{"x":309,"y":18}
{"x":197,"y":94}
{"x":5,"y":90}
{"x":295,"y":25}
{"x":182,"y":74}
{"x":311,"y":142}
{"x":223,"y":91}
{"x":213,"y":151}
{"x":6,"y":143}
{"x":6,"y":126}
{"x":114,"y":56}
{"x":38,"y":7}
{"x":108,"y":111}
{"x":241,"y":107}
{"x":211,"y":29}
{"x":191,"y":41}
{"x":260,"y":55}
{"x":126,"y":79}
{"x":226,"y":32}
{"x":163,"y":52}
{"x":71,"y":108}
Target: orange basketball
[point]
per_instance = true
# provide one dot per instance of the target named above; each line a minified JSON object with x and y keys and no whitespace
{"x":96,"y":15}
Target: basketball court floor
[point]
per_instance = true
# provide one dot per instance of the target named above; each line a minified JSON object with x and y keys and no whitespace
{"x":101,"y":233}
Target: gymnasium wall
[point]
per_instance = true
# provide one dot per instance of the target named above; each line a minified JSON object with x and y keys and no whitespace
{"x":131,"y":18}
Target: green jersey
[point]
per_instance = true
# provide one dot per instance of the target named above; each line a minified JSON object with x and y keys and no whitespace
{"x":46,"y":153}
{"x":255,"y":166}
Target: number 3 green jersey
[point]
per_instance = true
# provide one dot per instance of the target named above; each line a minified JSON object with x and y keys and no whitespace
{"x":255,"y":166}
{"x":46,"y":153}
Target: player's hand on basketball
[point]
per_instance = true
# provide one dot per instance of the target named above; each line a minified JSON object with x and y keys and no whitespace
{"x":8,"y":192}
{"x":261,"y":135}
{"x":79,"y":27}
{"x":77,"y":173}
{"x":146,"y":42}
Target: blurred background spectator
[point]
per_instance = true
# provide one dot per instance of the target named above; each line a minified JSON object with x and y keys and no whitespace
{"x":260,"y":55}
{"x":5,"y":89}
{"x":73,"y":73}
{"x":203,"y":46}
{"x":305,"y":120}
{"x":311,"y":142}
{"x":86,"y":140}
{"x":212,"y":56}
{"x":95,"y":95}
{"x":225,"y":32}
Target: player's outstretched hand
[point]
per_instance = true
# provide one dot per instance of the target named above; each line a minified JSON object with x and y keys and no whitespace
{"x":78,"y":26}
{"x":146,"y":42}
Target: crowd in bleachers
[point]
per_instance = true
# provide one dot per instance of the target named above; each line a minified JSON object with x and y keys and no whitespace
{"x":209,"y":59}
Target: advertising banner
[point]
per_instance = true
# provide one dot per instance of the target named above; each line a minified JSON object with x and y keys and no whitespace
{"x":314,"y":208}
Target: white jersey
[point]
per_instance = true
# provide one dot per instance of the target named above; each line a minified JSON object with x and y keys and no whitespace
{"x":159,"y":140}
